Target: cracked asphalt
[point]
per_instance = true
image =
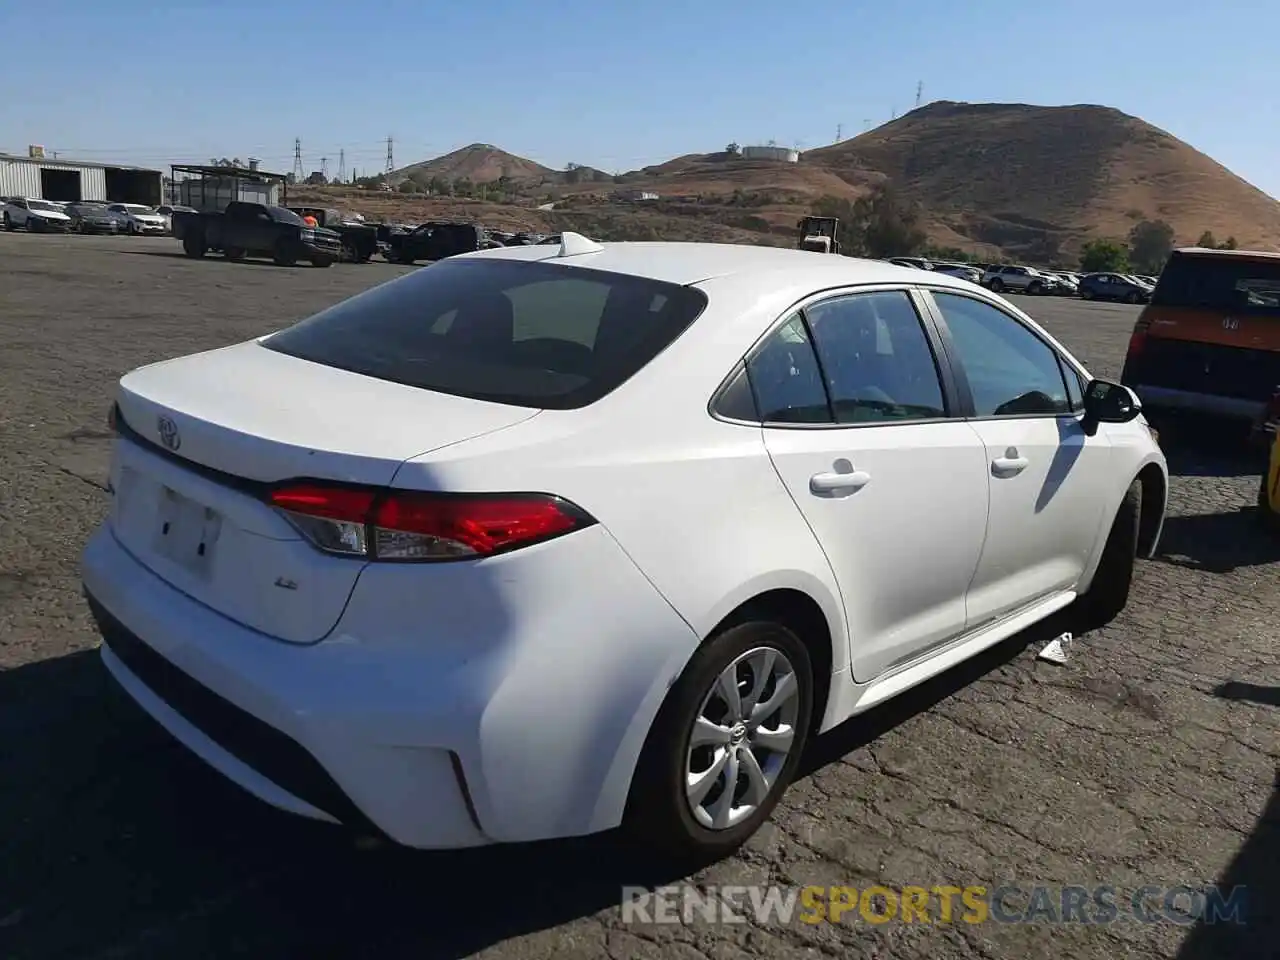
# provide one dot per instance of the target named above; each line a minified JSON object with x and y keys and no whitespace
{"x":1149,"y":758}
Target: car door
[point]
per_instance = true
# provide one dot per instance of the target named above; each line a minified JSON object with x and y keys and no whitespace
{"x":1048,"y":478}
{"x":858,"y":420}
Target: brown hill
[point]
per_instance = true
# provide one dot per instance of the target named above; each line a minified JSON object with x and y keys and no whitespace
{"x":1040,"y":179}
{"x":1027,"y":181}
{"x":479,"y":163}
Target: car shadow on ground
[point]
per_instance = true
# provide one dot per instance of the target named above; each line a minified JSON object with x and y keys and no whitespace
{"x":1218,"y":542}
{"x":1256,"y":931}
{"x":117,"y":841}
{"x":1207,"y":447}
{"x":213,"y":257}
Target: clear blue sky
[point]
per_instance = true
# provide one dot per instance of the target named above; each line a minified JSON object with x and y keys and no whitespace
{"x":612,"y":85}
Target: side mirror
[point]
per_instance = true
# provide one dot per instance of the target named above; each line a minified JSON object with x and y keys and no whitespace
{"x":1107,"y":402}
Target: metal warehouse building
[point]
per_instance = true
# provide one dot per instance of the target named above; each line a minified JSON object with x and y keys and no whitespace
{"x":38,"y":177}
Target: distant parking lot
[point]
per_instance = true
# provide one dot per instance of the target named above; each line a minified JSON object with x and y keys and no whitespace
{"x":1149,"y":758}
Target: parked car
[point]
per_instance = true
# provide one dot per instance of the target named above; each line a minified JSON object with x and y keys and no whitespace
{"x":917,"y":263}
{"x":1269,"y":490}
{"x":1113,"y":286}
{"x":35,"y":216}
{"x":1018,"y":279}
{"x":963,"y":271}
{"x":89,"y":217}
{"x":140,"y":219}
{"x":167,"y":210}
{"x":359,"y":240}
{"x":1209,"y":342}
{"x":437,"y":240}
{"x":255,"y":230}
{"x":1149,"y":281}
{"x":1068,"y":284}
{"x":352,"y":604}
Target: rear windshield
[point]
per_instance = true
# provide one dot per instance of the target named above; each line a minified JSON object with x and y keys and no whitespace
{"x":1220,"y":283}
{"x":509,"y":331}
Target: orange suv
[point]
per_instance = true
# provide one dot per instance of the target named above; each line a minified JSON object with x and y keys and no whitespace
{"x":1209,"y":340}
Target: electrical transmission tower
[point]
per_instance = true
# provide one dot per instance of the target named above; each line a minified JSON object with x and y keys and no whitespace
{"x":342,"y":166}
{"x":391,"y":163}
{"x":919,"y":93}
{"x":839,"y":131}
{"x":298,"y":174}
{"x":324,"y":168}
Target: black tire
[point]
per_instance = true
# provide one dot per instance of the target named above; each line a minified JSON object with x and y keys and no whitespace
{"x":1086,"y":294}
{"x":193,"y":246}
{"x":349,"y":252}
{"x":997,"y":285}
{"x":658,"y":814}
{"x":1109,"y":592}
{"x":233,"y":253}
{"x":132,"y":229}
{"x":1270,"y":519}
{"x":322,"y":262}
{"x":1036,"y":288}
{"x":8,"y":223}
{"x":1133,"y":297}
{"x":284,"y":256}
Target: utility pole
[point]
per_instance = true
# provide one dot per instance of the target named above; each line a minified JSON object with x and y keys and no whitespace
{"x":839,"y":131}
{"x":342,"y":165}
{"x":391,"y":163}
{"x":298,"y":174}
{"x":919,"y":93}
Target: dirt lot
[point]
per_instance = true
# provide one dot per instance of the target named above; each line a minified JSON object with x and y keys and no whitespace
{"x":1150,"y":758}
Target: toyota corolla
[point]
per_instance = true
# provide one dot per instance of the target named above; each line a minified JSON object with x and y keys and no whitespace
{"x":543,"y":540}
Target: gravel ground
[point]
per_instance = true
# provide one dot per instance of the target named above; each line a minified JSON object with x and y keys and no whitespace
{"x":1150,"y":758}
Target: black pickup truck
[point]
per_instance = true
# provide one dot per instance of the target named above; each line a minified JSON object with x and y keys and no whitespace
{"x":256,"y":230}
{"x":359,"y":240}
{"x":437,"y":240}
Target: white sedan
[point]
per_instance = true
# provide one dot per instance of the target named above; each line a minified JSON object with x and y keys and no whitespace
{"x":542,"y":540}
{"x":35,"y":216}
{"x":140,"y":219}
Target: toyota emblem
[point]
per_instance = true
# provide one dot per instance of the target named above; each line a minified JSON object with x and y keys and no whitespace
{"x":169,"y":433}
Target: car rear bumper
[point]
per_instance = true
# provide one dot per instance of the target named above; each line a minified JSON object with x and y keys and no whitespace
{"x":1234,"y":408}
{"x":428,"y":716}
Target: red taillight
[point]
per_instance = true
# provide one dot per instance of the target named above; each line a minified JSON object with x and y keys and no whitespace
{"x":405,"y":525}
{"x":1137,"y":341}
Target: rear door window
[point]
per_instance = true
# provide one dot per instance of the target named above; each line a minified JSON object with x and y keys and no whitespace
{"x":876,"y":358}
{"x":529,"y":334}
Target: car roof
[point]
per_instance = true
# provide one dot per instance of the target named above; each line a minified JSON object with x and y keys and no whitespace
{"x":690,"y":263}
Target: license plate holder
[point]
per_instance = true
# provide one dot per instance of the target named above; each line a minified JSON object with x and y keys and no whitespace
{"x":186,"y":531}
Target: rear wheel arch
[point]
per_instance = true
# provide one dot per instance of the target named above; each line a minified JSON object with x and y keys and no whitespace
{"x":802,"y":615}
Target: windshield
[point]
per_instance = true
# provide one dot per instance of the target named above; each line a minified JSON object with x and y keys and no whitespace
{"x":1225,"y":283}
{"x":43,"y":205}
{"x":138,"y":208}
{"x":283,"y":215}
{"x":524,"y":333}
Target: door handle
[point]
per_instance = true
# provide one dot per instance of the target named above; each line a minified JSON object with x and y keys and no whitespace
{"x":1011,"y":464}
{"x":832,"y":482}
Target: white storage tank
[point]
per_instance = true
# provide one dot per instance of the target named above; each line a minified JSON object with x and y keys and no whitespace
{"x":783,"y":154}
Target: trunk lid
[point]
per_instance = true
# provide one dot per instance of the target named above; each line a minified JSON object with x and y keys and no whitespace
{"x":204,"y":436}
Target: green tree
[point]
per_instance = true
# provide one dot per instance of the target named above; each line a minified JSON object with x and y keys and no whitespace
{"x":408,"y":186}
{"x":1228,"y":244}
{"x":733,"y":149}
{"x":1150,"y":243}
{"x":1104,"y":256}
{"x":1208,"y":240}
{"x":879,"y":224}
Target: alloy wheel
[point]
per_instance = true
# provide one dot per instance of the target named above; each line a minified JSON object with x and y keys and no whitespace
{"x":741,"y":738}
